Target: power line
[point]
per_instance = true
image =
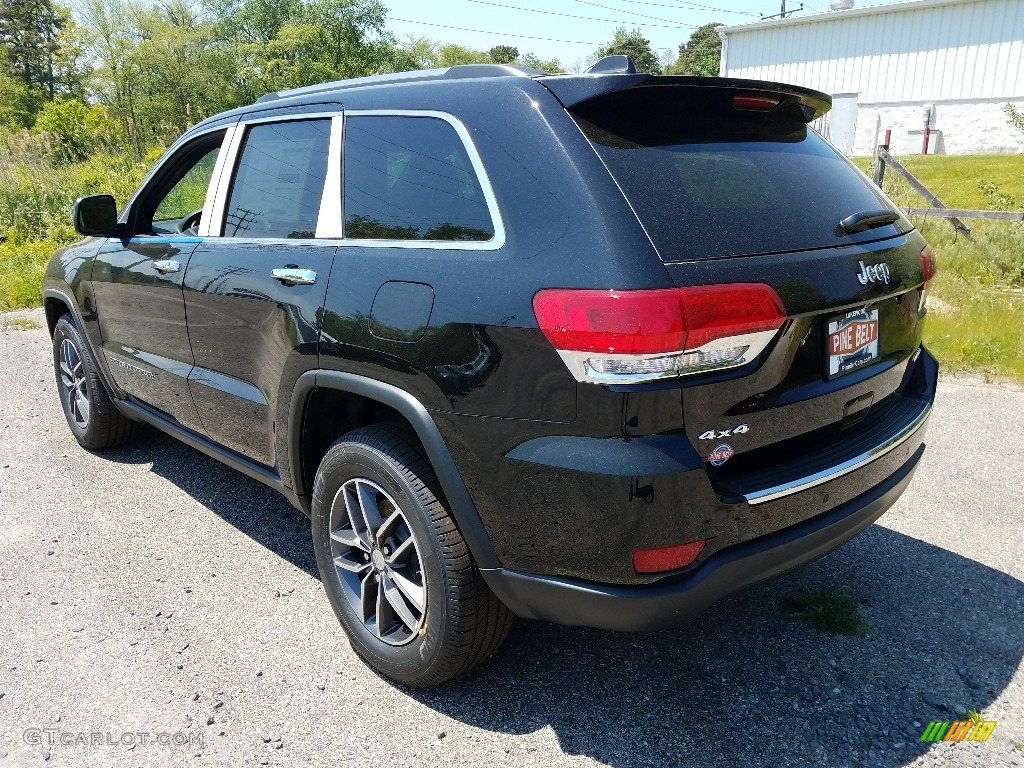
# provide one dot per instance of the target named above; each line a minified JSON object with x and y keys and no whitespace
{"x":634,"y":13}
{"x":698,"y":5}
{"x":574,"y":16}
{"x":491,"y":32}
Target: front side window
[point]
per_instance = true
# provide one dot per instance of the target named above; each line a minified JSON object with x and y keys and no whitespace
{"x":172,"y":202}
{"x":410,"y":178}
{"x":188,"y":196}
{"x":279,"y":181}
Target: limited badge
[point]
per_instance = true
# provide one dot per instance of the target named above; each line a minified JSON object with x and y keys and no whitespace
{"x":721,"y":454}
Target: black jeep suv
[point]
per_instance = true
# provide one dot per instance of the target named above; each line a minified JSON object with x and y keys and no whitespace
{"x":598,"y":349}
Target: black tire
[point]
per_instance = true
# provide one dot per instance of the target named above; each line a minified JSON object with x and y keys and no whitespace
{"x":462,"y":622}
{"x":104,"y":426}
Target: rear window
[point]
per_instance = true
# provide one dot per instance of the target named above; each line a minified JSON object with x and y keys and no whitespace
{"x":709,"y":181}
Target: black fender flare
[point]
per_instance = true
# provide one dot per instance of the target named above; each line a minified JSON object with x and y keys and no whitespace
{"x":67,"y":298}
{"x":457,"y":494}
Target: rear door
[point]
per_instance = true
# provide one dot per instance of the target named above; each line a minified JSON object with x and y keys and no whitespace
{"x":254,"y":290}
{"x":137,"y":282}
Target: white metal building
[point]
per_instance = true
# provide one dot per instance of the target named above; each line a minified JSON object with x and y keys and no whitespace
{"x":955,"y":62}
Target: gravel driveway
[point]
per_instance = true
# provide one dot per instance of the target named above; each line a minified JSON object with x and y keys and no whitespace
{"x":150,"y":594}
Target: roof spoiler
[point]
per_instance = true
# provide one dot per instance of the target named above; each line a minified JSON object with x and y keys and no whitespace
{"x":574,"y":89}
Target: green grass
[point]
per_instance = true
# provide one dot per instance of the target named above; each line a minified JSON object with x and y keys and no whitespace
{"x":976,"y":318}
{"x":959,"y":180}
{"x":834,"y":610}
{"x":974,"y":328}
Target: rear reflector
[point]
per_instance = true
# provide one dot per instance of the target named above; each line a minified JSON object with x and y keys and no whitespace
{"x":763,"y":103}
{"x":666,"y":558}
{"x":662,"y":332}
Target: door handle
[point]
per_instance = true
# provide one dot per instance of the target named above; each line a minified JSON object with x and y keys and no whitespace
{"x":294,"y":276}
{"x":167,"y":265}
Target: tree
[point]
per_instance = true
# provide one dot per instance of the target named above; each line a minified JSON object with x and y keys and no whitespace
{"x":633,"y":44}
{"x":700,"y":55}
{"x":15,"y":103}
{"x":534,"y":61}
{"x":302,"y":42}
{"x":450,"y":55}
{"x":504,"y":54}
{"x":1016,"y":117}
{"x":29,"y":31}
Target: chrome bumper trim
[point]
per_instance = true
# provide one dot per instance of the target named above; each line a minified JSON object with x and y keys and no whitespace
{"x":850,"y":465}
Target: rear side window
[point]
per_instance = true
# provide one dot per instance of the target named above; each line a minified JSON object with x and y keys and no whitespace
{"x":411,"y":178}
{"x":280,"y":180}
{"x":708,"y":180}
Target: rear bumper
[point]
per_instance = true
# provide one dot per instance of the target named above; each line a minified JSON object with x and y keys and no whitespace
{"x":672,"y":603}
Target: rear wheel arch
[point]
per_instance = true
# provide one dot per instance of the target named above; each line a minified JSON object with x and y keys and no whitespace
{"x":317,"y":391}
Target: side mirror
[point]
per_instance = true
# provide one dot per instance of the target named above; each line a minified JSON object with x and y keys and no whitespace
{"x":96,"y":216}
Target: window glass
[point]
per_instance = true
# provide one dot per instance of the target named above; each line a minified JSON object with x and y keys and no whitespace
{"x":189,"y":194}
{"x":410,"y":178}
{"x":708,"y":180}
{"x":279,"y":181}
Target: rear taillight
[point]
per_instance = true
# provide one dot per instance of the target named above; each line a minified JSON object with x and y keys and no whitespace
{"x":632,"y":336}
{"x":927,"y":264}
{"x":928,"y":270}
{"x":666,"y":558}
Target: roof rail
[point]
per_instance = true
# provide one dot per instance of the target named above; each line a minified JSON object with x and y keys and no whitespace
{"x":457,"y":72}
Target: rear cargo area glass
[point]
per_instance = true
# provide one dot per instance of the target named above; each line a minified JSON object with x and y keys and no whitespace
{"x":708,"y":180}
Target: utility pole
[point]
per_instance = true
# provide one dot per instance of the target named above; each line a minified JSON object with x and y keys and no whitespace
{"x":783,"y":13}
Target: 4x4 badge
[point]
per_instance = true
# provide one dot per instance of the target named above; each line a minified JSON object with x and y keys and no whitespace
{"x":713,"y":434}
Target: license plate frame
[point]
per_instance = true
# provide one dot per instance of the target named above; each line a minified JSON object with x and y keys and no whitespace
{"x":852,"y":341}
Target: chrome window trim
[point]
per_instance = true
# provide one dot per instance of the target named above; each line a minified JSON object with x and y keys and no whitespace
{"x":274,"y":241}
{"x":327,"y":114}
{"x":850,"y":465}
{"x":223,"y":168}
{"x":329,"y":222}
{"x":496,"y":242}
{"x":230,"y":152}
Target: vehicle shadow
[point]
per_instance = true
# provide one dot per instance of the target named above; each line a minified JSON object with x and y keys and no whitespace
{"x":743,"y":684}
{"x":256,"y":510}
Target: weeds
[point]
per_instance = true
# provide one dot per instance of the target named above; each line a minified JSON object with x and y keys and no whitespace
{"x":37,"y":198}
{"x":19,"y":324}
{"x":834,"y":610}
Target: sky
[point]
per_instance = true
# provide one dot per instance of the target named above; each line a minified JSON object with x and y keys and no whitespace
{"x":553,"y":29}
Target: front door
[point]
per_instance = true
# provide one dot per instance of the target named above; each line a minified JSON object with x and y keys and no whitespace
{"x":138,"y":283}
{"x":254,"y":294}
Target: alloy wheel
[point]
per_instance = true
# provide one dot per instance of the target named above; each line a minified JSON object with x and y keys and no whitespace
{"x":378,"y":562}
{"x":73,"y":382}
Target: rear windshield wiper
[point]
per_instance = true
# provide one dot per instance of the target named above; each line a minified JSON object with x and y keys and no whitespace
{"x":865,"y":220}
